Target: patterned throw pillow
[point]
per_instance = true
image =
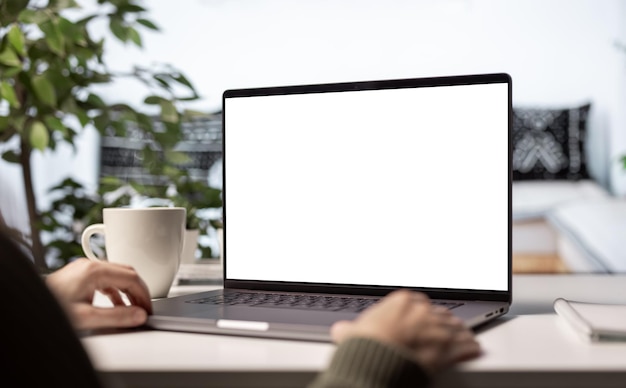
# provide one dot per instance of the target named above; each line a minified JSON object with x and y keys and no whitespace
{"x":549,"y":143}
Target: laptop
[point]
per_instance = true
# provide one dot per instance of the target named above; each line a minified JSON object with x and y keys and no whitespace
{"x":337,"y":194}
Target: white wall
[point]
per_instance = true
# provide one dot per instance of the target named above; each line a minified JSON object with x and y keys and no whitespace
{"x":559,"y":53}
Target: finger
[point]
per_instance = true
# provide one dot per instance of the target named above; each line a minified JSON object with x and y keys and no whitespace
{"x":420,"y":297}
{"x":436,"y":334}
{"x":142,"y":299}
{"x":464,"y":348}
{"x":339,"y":330}
{"x":446,"y":317}
{"x":120,"y":265}
{"x":89,"y":317}
{"x":406,"y":296}
{"x":438,"y":309}
{"x":450,"y":321}
{"x":126,"y":280}
{"x":114,"y":296}
{"x":421,"y":314}
{"x":432,"y":348}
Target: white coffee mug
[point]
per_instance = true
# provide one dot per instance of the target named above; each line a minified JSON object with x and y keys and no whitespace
{"x":148,"y":239}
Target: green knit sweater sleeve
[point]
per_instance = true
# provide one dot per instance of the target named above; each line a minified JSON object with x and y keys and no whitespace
{"x":366,"y":363}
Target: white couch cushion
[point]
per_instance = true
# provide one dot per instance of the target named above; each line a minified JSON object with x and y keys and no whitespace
{"x":534,"y":199}
{"x":534,"y":237}
{"x":597,"y":229}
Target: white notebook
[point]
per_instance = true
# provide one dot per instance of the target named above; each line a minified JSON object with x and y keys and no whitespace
{"x":595,"y":321}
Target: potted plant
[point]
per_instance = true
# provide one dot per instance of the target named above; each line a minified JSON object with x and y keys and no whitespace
{"x":75,"y":208}
{"x":49,"y":64}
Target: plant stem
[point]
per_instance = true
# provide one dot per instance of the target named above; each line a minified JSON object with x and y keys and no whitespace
{"x":37,"y":246}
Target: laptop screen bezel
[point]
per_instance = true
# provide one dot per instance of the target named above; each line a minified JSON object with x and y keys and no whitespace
{"x":351,"y":289}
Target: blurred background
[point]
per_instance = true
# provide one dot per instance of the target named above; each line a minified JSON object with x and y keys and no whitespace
{"x":561,"y":54}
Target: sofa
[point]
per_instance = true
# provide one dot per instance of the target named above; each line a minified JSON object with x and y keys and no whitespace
{"x":561,"y":211}
{"x":541,"y":220}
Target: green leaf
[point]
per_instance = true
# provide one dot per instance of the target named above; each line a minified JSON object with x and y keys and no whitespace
{"x":95,"y":100}
{"x":10,"y":72}
{"x":54,"y":37}
{"x":56,"y":125}
{"x":162,"y":80}
{"x":137,"y":186}
{"x":120,"y":128}
{"x":14,"y":7}
{"x":100,"y":77}
{"x":71,"y":32}
{"x":101,"y":123}
{"x":63,"y":4}
{"x":4,"y":123}
{"x":128,"y":114}
{"x":27,"y":16}
{"x":11,"y":157}
{"x":170,"y":137}
{"x":181,"y":79}
{"x":190,"y":98}
{"x":144,"y":120}
{"x":16,"y":38}
{"x":9,"y":57}
{"x":134,"y":36}
{"x":83,"y":118}
{"x":153,"y":100}
{"x":69,"y":105}
{"x":177,"y":157}
{"x":39,"y":137}
{"x":44,"y":90}
{"x":110,"y":180}
{"x":148,"y":24}
{"x":31,"y":16}
{"x":84,"y":21}
{"x":83,"y":55}
{"x":171,"y":171}
{"x":8,"y":93}
{"x":191,"y":113}
{"x":130,"y":8}
{"x":18,"y":122}
{"x":61,"y":83}
{"x":118,"y":29}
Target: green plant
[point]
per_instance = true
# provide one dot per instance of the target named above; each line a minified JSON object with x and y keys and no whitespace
{"x":197,"y":198}
{"x":49,"y":64}
{"x":177,"y":188}
{"x":74,"y":209}
{"x":194,"y":196}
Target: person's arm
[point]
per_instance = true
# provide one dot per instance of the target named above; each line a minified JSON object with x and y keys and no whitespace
{"x":403,"y":341}
{"x":75,"y":284}
{"x":37,"y":341}
{"x":365,"y":362}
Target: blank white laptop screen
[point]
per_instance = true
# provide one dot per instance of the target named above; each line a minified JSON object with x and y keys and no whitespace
{"x":396,"y":187}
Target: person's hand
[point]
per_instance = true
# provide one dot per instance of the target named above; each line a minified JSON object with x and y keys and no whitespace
{"x":75,"y":283}
{"x":431,"y":334}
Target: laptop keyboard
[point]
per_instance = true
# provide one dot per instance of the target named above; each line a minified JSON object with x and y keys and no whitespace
{"x":302,"y":301}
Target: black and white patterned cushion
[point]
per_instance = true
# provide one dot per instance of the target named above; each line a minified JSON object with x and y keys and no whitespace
{"x":549,"y":143}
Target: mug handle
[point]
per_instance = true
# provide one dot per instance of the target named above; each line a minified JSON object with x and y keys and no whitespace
{"x":87,"y":233}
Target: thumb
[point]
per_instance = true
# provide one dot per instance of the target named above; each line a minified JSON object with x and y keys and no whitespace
{"x":91,"y":317}
{"x":339,"y":330}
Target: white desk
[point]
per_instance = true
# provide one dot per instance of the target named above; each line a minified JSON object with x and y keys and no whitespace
{"x":519,"y":350}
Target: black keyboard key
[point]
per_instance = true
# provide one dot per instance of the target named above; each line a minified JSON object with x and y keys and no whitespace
{"x":301,"y":301}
